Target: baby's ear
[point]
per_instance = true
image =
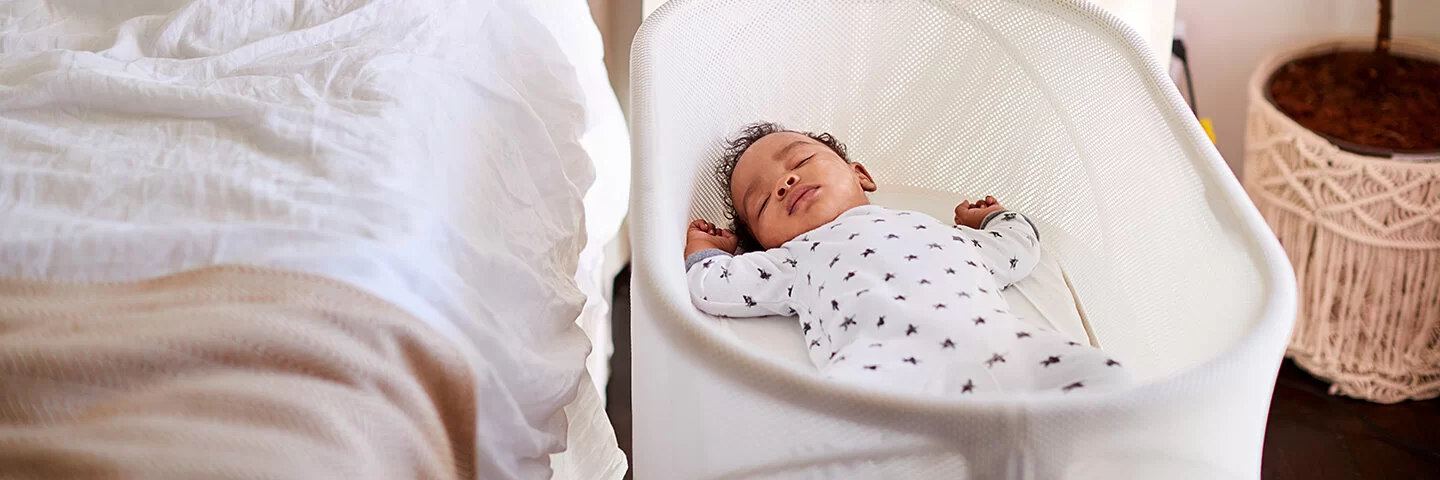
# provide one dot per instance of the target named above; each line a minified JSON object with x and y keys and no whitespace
{"x":866,"y":182}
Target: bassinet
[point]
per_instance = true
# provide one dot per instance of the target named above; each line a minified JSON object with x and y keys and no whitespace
{"x":1052,"y":106}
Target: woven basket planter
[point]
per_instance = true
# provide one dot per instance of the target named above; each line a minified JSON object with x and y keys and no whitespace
{"x":1363,"y":233}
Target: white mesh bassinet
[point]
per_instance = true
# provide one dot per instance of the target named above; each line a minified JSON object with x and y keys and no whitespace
{"x":1051,"y":105}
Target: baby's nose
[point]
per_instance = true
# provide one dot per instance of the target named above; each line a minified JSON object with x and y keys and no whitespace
{"x":790,"y":181}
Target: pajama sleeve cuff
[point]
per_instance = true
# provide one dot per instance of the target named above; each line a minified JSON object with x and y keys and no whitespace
{"x":699,"y":256}
{"x":992,"y":215}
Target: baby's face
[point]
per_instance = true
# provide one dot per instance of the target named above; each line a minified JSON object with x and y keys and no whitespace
{"x":787,"y":184}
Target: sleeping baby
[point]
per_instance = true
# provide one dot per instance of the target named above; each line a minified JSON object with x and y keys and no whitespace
{"x":886,"y":298}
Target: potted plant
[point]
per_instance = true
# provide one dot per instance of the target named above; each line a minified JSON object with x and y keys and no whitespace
{"x":1342,"y":157}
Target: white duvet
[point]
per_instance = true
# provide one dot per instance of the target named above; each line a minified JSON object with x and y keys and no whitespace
{"x":428,"y":151}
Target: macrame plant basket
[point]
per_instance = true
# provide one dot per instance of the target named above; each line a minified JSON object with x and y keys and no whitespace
{"x":1363,"y":233}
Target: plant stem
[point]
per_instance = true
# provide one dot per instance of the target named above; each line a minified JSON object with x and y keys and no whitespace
{"x":1382,"y":35}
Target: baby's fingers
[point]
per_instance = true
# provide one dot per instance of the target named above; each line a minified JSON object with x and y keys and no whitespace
{"x":725,"y":234}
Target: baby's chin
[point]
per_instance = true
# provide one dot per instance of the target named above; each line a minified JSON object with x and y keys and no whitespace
{"x":812,"y":219}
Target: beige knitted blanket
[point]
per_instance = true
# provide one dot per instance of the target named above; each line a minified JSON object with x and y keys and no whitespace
{"x":226,"y":372}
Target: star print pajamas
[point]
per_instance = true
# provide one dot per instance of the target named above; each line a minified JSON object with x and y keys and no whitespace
{"x":898,"y":300}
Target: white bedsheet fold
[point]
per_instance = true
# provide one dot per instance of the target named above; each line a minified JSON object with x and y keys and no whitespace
{"x":428,"y":151}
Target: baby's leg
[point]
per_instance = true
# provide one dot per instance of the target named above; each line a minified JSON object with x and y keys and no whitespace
{"x":913,"y":366}
{"x":1054,"y":362}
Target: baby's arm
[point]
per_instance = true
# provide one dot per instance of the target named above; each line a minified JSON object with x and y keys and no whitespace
{"x":1009,"y":243}
{"x":751,"y":285}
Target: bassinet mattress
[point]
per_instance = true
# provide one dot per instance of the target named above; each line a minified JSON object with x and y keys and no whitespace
{"x":1042,"y":298}
{"x":433,"y":153}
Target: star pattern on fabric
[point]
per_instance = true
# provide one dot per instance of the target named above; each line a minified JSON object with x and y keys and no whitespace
{"x":929,"y":313}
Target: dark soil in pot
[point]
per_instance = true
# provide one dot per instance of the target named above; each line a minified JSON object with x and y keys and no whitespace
{"x":1387,"y":103}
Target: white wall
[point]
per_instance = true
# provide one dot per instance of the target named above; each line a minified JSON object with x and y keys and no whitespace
{"x":1226,"y":39}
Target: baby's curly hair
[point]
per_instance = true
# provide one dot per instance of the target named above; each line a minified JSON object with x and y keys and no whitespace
{"x":736,"y":147}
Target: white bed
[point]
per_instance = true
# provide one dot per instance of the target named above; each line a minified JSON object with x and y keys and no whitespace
{"x":448,"y":156}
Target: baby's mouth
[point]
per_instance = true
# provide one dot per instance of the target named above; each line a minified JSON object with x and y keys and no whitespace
{"x":800,"y":194}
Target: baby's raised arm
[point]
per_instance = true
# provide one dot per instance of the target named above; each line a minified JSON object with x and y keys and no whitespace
{"x":724,"y":284}
{"x":1009,"y":242}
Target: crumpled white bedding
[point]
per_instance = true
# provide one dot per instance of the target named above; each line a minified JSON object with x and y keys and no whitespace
{"x":428,"y":151}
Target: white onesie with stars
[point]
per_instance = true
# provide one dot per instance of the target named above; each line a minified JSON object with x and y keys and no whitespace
{"x":898,"y":300}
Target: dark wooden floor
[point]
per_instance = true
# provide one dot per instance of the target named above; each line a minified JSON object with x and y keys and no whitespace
{"x":1311,"y":435}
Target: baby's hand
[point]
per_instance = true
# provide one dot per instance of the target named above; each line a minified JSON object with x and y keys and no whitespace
{"x":972,"y":214}
{"x":704,"y":235}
